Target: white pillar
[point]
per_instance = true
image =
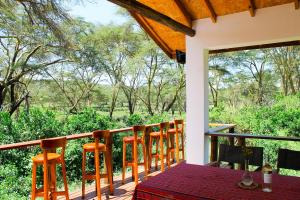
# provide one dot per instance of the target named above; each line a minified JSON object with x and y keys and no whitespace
{"x":197,"y":102}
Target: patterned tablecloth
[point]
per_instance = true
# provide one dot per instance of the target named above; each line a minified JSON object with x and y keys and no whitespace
{"x":189,"y":182}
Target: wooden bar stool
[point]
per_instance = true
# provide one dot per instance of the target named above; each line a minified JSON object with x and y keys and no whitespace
{"x":178,"y":130}
{"x":49,"y":159}
{"x":134,"y":141}
{"x":97,"y":148}
{"x":159,"y":137}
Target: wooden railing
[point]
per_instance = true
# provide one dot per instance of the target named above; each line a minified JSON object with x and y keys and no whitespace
{"x":218,"y":128}
{"x":240,"y":138}
{"x":69,"y":137}
{"x":215,"y":139}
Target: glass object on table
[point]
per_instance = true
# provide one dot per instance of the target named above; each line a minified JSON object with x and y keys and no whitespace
{"x":267,"y":177}
{"x":247,"y":178}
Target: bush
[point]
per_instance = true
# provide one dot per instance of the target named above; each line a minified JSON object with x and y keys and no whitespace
{"x":6,"y":129}
{"x":134,"y":119}
{"x":86,"y":121}
{"x":13,"y":186}
{"x":280,"y":119}
{"x":37,"y":124}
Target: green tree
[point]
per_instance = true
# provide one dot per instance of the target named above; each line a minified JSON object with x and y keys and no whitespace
{"x":25,"y":49}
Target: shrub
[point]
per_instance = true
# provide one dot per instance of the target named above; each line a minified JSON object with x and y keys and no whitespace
{"x":12,"y":185}
{"x":37,"y":124}
{"x":134,"y":119}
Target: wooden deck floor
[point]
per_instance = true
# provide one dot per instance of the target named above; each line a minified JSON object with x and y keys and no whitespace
{"x":121,"y":192}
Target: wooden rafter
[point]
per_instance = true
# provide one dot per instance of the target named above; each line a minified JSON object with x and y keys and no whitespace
{"x":212,"y":12}
{"x":184,"y":12}
{"x":297,"y":4}
{"x":146,"y":26}
{"x":135,"y":6}
{"x":252,"y":8}
{"x":261,"y":46}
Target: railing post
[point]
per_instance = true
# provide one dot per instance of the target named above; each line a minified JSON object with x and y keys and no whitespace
{"x":147,"y":145}
{"x":231,"y":139}
{"x":214,"y":148}
{"x":242,"y":143}
{"x":231,"y":142}
{"x":110,"y":152}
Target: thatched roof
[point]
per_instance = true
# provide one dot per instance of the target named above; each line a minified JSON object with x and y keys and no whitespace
{"x":185,"y":11}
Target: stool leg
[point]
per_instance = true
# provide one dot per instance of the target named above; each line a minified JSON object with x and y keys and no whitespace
{"x":46,"y":187}
{"x":135,"y":163}
{"x":64,"y":172}
{"x":124,"y":162}
{"x":33,"y":188}
{"x":97,"y":167}
{"x":109,"y":172}
{"x":53,"y":181}
{"x":168,"y":150}
{"x":161,"y":143}
{"x":132,"y":161}
{"x":172,"y":136}
{"x":182,"y":145}
{"x":156,"y":154}
{"x":145,"y":160}
{"x":177,"y":147}
{"x":83,"y":173}
{"x":150,"y":152}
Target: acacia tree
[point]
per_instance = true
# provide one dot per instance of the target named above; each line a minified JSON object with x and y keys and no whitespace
{"x":173,"y":78}
{"x":286,"y":61}
{"x":131,"y":83}
{"x":25,"y":49}
{"x":153,"y":60}
{"x":115,"y":44}
{"x":217,"y":74}
{"x":253,"y":61}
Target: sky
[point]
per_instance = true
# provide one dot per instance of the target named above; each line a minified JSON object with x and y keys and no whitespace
{"x":97,"y":11}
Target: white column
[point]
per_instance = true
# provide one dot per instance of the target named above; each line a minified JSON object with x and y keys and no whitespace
{"x":197,"y":102}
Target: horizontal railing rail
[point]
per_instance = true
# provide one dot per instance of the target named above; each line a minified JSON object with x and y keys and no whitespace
{"x":253,"y":136}
{"x":69,"y":137}
{"x":218,"y":127}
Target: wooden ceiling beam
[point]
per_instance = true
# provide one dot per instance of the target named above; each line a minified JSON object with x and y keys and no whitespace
{"x":252,"y":8}
{"x":135,"y":6}
{"x":297,"y":4}
{"x":212,"y":12}
{"x":146,"y":26}
{"x":184,"y":12}
{"x":260,"y":46}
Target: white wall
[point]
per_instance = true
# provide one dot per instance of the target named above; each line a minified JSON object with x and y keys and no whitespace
{"x":270,"y":25}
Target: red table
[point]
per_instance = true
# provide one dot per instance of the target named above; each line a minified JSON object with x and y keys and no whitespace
{"x":189,"y":182}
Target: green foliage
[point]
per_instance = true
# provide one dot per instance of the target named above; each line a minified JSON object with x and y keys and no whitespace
{"x":13,"y":186}
{"x":37,"y":124}
{"x":280,"y":119}
{"x":6,"y":128}
{"x":135,"y":119}
{"x":86,"y":121}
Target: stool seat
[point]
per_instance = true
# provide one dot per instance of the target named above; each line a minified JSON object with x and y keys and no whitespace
{"x":173,"y":130}
{"x":131,"y":139}
{"x":156,"y":134}
{"x":91,"y":146}
{"x":51,"y":157}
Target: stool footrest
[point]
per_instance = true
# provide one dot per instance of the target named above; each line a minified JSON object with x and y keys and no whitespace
{"x":93,"y":176}
{"x":59,"y":193}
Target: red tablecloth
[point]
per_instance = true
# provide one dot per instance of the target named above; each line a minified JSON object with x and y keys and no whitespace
{"x":189,"y":182}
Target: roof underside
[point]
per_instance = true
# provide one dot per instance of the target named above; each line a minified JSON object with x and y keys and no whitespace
{"x":185,"y":11}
